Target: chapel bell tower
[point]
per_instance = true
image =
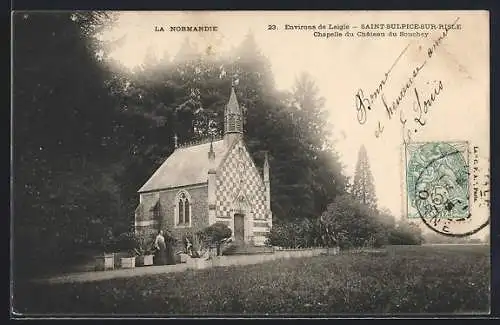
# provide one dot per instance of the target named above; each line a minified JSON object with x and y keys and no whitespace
{"x":233,"y":120}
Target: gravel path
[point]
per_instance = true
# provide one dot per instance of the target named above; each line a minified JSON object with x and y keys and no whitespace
{"x":113,"y":274}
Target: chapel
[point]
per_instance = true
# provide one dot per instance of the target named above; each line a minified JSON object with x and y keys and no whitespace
{"x":214,"y":181}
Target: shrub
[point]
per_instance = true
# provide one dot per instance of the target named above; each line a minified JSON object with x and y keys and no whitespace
{"x":296,"y":234}
{"x":216,"y":235}
{"x":123,"y":242}
{"x":144,"y":244}
{"x":348,"y":223}
{"x":405,"y":234}
{"x":196,"y":242}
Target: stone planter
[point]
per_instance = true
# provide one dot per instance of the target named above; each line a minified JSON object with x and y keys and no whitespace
{"x":144,"y":260}
{"x":216,"y":261}
{"x":127,"y":262}
{"x":105,"y":262}
{"x":200,"y":263}
{"x":183,"y":257}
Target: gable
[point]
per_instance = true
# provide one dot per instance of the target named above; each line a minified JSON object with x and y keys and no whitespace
{"x":236,"y":175}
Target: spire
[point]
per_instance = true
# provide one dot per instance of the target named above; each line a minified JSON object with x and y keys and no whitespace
{"x":233,"y":118}
{"x":266,"y":167}
{"x":232,"y":105}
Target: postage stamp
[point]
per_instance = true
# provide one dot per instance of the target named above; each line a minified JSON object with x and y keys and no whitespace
{"x":437,"y":180}
{"x":438,"y":191}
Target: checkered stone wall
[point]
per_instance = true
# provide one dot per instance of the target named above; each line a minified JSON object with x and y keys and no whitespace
{"x":238,"y":174}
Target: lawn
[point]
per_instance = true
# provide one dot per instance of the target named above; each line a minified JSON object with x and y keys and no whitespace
{"x":441,"y":279}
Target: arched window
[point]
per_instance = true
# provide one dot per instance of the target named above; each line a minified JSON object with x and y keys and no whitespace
{"x":183,"y":209}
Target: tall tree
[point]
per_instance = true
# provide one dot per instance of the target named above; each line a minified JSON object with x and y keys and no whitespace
{"x":363,"y":188}
{"x":324,"y":169}
{"x":65,"y":133}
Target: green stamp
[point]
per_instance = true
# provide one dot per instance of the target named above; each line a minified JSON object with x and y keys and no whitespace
{"x":437,"y":180}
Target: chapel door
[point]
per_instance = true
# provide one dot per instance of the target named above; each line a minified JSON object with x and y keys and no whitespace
{"x":239,"y":227}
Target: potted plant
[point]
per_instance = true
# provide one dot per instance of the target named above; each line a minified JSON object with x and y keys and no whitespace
{"x":144,"y":251}
{"x":128,"y":262}
{"x":106,"y":261}
{"x":125,"y":245}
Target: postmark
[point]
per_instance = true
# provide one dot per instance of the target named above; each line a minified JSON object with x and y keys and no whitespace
{"x":437,"y":177}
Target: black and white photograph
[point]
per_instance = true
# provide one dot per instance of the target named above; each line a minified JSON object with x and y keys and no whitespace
{"x":182,"y":164}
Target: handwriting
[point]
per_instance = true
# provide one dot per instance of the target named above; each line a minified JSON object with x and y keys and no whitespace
{"x":395,"y":103}
{"x":417,"y":106}
{"x":379,"y":130}
{"x":362,"y":103}
{"x":437,"y":41}
{"x":365,"y":102}
{"x":421,"y":109}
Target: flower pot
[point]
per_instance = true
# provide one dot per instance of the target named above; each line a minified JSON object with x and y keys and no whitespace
{"x":144,"y":260}
{"x":182,"y":258}
{"x":105,"y":262}
{"x":127,"y":262}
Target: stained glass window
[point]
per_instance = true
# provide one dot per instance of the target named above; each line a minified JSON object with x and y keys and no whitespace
{"x":183,"y":209}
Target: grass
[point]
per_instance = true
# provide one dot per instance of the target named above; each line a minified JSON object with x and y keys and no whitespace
{"x":444,"y":279}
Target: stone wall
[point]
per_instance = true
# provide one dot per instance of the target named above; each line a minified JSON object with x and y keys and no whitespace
{"x":199,"y":211}
{"x":201,"y":263}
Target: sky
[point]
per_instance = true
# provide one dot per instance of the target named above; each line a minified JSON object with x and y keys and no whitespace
{"x":342,"y":66}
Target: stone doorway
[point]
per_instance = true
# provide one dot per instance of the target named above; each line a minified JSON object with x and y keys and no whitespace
{"x":239,"y":227}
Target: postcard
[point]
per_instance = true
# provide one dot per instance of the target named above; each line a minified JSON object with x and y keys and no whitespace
{"x":250,"y":163}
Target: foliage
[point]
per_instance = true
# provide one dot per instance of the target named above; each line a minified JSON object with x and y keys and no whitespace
{"x":196,"y":241}
{"x":409,"y":279}
{"x":170,"y":238}
{"x":405,"y":234}
{"x":363,"y":188}
{"x":215,"y":235}
{"x":352,"y":224}
{"x":126,"y":241}
{"x":296,"y":234}
{"x":144,"y":244}
{"x":65,"y":134}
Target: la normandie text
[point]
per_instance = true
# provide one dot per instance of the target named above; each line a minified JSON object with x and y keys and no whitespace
{"x":186,"y":28}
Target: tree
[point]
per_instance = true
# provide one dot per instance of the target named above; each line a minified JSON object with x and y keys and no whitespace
{"x":363,"y":188}
{"x":321,"y":168}
{"x":65,"y":133}
{"x":405,"y":233}
{"x":349,"y":223}
{"x":385,"y":216}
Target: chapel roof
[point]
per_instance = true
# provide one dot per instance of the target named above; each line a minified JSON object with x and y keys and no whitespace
{"x":186,"y":166}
